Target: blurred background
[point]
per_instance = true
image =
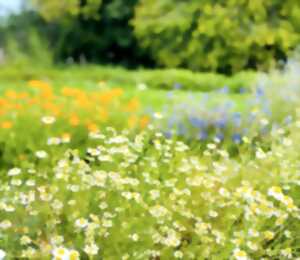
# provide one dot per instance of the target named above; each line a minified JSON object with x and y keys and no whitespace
{"x":207,"y":36}
{"x":210,"y":68}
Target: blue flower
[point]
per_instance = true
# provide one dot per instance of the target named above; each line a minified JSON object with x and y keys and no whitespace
{"x":264,"y":130}
{"x":237,"y":119}
{"x":197,"y":122}
{"x":170,"y":94}
{"x":177,"y":86}
{"x":224,"y":90}
{"x":288,"y":119}
{"x":259,"y":92}
{"x":221,"y":123}
{"x":220,"y":136}
{"x":236,"y":138}
{"x":203,"y":135}
{"x":167,"y":134}
{"x":242,"y":90}
{"x":181,"y":129}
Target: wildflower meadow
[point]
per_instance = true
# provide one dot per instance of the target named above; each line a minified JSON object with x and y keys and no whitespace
{"x":94,"y":174}
{"x":149,"y":130}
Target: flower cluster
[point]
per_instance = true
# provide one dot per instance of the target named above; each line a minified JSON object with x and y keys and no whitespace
{"x":222,"y":116}
{"x":62,"y":113}
{"x":145,"y":196}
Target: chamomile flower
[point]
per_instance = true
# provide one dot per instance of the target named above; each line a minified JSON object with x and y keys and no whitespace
{"x":269,"y":235}
{"x":287,"y":253}
{"x":158,"y":211}
{"x":5,"y":224}
{"x":2,"y":254}
{"x":14,"y":172}
{"x":81,"y":223}
{"x":91,"y":249}
{"x":74,"y":255}
{"x":178,"y":254}
{"x":41,"y":154}
{"x":260,"y":154}
{"x":142,"y":86}
{"x":54,"y":141}
{"x":154,"y":194}
{"x":60,"y":253}
{"x":135,"y":237}
{"x":240,"y":254}
{"x":158,"y":115}
{"x":276,"y":192}
{"x":25,"y":240}
{"x":48,"y":120}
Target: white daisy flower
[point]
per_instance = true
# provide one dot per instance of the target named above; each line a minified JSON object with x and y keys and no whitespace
{"x":41,"y":154}
{"x":81,"y":223}
{"x":240,"y":254}
{"x":2,"y":254}
{"x":14,"y":172}
{"x":91,"y":249}
{"x":48,"y":120}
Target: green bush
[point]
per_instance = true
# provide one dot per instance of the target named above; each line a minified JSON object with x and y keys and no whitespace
{"x":224,"y":36}
{"x":188,"y":80}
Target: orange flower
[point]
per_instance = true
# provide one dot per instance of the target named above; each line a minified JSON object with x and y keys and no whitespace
{"x":74,"y":120}
{"x":54,"y":108}
{"x":23,"y":95}
{"x":117,"y":92}
{"x":144,"y":121}
{"x":92,"y":127}
{"x":66,"y":137}
{"x":132,"y":121}
{"x":133,"y":105}
{"x":83,"y":100}
{"x":11,"y":94}
{"x":3,"y":102}
{"x":70,"y":92}
{"x":38,"y":84}
{"x":105,"y":98}
{"x":18,"y":106}
{"x":32,"y":101}
{"x":103,"y":114}
{"x":47,"y":93}
{"x":6,"y":125}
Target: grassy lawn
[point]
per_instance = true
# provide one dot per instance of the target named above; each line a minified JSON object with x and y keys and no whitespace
{"x":131,"y":81}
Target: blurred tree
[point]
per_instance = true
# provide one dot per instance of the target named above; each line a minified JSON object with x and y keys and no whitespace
{"x":221,"y":35}
{"x":98,"y":30}
{"x":23,"y":38}
{"x":56,"y":9}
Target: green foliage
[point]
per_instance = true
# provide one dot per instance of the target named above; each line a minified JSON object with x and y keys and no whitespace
{"x":95,"y":31}
{"x":56,"y":9}
{"x":226,"y":36}
{"x":13,"y":55}
{"x":24,"y":40}
{"x":222,"y":36}
{"x":36,"y":50}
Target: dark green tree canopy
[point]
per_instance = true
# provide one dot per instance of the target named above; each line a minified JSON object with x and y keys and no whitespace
{"x":98,"y":30}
